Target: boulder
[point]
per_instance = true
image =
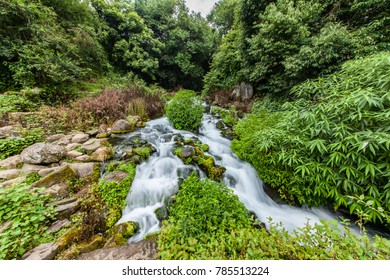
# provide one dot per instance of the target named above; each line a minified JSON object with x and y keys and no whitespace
{"x":143,"y":250}
{"x":58,"y":190}
{"x":43,"y":153}
{"x":8,"y":131}
{"x":47,"y":171}
{"x":17,"y":180}
{"x":161,"y":213}
{"x":45,"y":251}
{"x":55,"y":137}
{"x":85,"y":169}
{"x":102,"y":154}
{"x":122,"y":126}
{"x":64,"y":140}
{"x":58,"y":225}
{"x":80,"y":138}
{"x":11,"y":162}
{"x":62,"y":175}
{"x":243,"y":91}
{"x":127,"y":229}
{"x":84,"y":158}
{"x":31,"y":168}
{"x":72,"y":146}
{"x":187,"y":151}
{"x":9,"y":174}
{"x":65,"y":211}
{"x":93,"y":144}
{"x":73,"y":154}
{"x":116,"y":176}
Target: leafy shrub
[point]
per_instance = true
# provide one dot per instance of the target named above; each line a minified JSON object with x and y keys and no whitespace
{"x":26,"y":210}
{"x":332,"y":149}
{"x":14,"y":146}
{"x":15,"y":102}
{"x":203,"y":214}
{"x":185,"y":110}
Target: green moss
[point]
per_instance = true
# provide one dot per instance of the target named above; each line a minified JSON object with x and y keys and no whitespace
{"x":127,"y":229}
{"x":63,"y":175}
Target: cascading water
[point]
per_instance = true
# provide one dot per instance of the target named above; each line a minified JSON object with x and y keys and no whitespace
{"x":156,"y":180}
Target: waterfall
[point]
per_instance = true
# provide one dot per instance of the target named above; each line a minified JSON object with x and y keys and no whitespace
{"x":156,"y":180}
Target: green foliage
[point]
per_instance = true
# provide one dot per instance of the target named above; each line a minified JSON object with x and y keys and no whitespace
{"x":114,"y":193}
{"x":186,"y":40}
{"x":15,"y":145}
{"x":207,"y":221}
{"x":14,"y":102}
{"x":278,"y":44}
{"x":203,"y":210}
{"x":185,"y":110}
{"x":331,"y":146}
{"x":37,"y":51}
{"x":26,"y":210}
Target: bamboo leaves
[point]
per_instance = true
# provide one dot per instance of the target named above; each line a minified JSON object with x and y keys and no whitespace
{"x":329,"y":149}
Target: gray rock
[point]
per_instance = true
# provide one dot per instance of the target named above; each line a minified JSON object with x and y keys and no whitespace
{"x":187,"y":151}
{"x":9,"y":174}
{"x":116,"y":176}
{"x":84,"y":169}
{"x":65,"y":211}
{"x":121,"y":126}
{"x":55,"y":137}
{"x":31,"y":168}
{"x":47,"y":171}
{"x":143,"y":250}
{"x":64,"y":140}
{"x":17,"y":180}
{"x":11,"y":162}
{"x":43,"y":252}
{"x":42,"y":153}
{"x":92,"y":145}
{"x":8,"y":131}
{"x":72,"y":146}
{"x":102,"y":154}
{"x":58,"y":225}
{"x":73,"y":154}
{"x":58,"y":190}
{"x":63,"y":201}
{"x":243,"y":91}
{"x":84,"y":158}
{"x":80,"y":138}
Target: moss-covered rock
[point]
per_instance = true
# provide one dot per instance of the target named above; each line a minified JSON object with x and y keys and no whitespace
{"x":192,"y":151}
{"x":68,"y":238}
{"x":64,"y":175}
{"x":96,"y":243}
{"x":127,"y":229}
{"x":115,"y":240}
{"x":161,"y":213}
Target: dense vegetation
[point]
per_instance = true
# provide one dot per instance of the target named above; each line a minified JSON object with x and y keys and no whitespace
{"x":56,"y":46}
{"x":207,"y":221}
{"x":318,"y":133}
{"x":330,"y":147}
{"x":185,"y":110}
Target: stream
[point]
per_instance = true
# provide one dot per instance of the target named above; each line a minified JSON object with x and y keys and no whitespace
{"x":157,"y":178}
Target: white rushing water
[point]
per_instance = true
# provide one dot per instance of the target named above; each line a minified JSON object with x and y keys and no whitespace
{"x":156,"y":180}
